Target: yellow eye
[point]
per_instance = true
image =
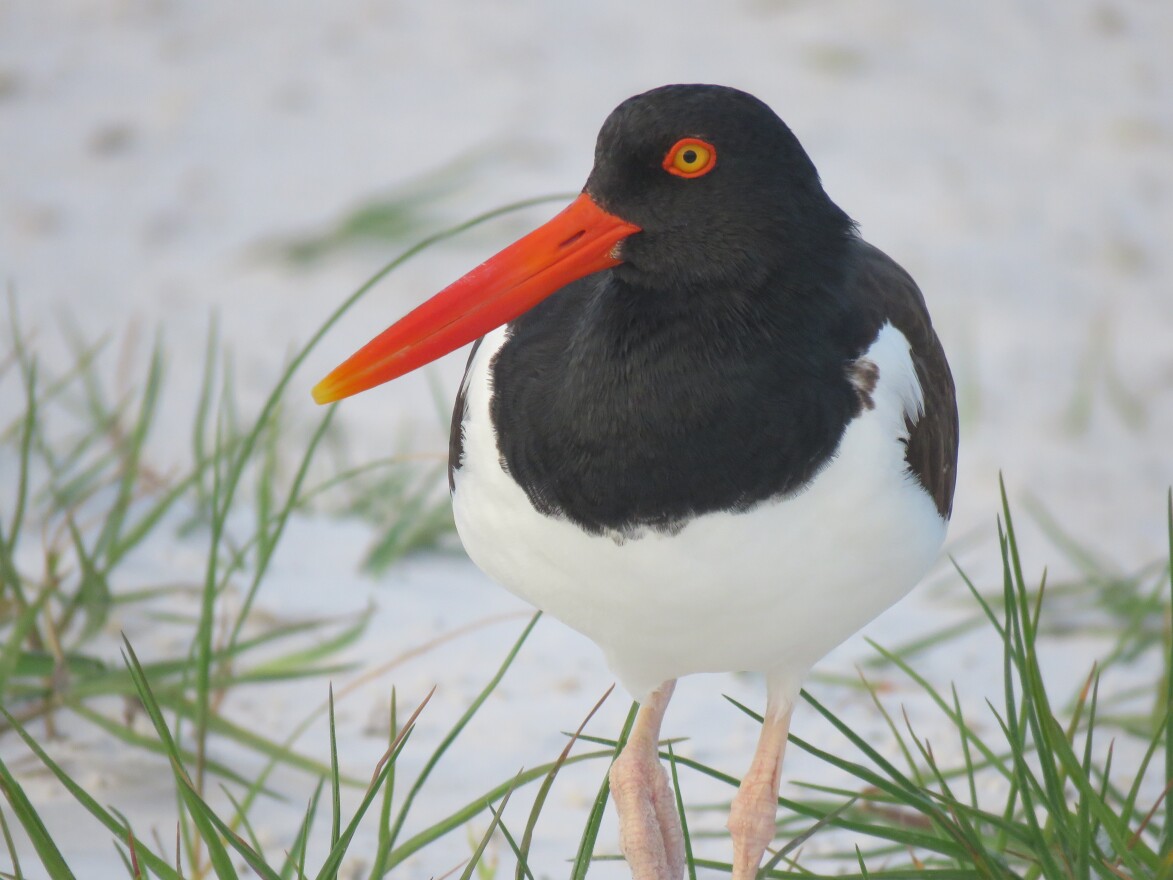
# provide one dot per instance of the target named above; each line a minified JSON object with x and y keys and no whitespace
{"x":690,"y":157}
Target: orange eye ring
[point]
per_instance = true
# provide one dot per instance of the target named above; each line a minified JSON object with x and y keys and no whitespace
{"x":690,"y":157}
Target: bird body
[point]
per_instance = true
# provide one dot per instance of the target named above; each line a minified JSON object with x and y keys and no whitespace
{"x":777,"y":585}
{"x":704,"y":424}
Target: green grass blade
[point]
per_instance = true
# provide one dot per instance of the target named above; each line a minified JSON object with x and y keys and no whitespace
{"x":131,"y":454}
{"x":966,"y":737}
{"x":1083,"y":817}
{"x":119,"y":829}
{"x":28,"y":428}
{"x":459,"y":726}
{"x":145,"y":525}
{"x":1167,"y":836}
{"x":10,"y":845}
{"x":900,"y":835}
{"x":201,"y":814}
{"x":50,"y":856}
{"x":213,"y":829}
{"x":987,"y":610}
{"x":474,"y":808}
{"x":248,"y":738}
{"x":522,"y":864}
{"x":862,"y":874}
{"x":93,"y":595}
{"x":1136,"y":855}
{"x":264,"y":489}
{"x":24,"y":627}
{"x":586,"y":846}
{"x":201,"y":649}
{"x":952,"y":712}
{"x":806,"y":835}
{"x":913,"y":769}
{"x":279,"y":522}
{"x":547,"y":783}
{"x":688,"y":857}
{"x":896,"y":782}
{"x":338,"y":851}
{"x":129,"y":862}
{"x":253,"y":840}
{"x":199,"y":428}
{"x":943,"y":636}
{"x":480,"y":850}
{"x":1128,"y":806}
{"x":295,"y":859}
{"x":127,"y":734}
{"x":962,"y":828}
{"x":1014,"y":657}
{"x":897,"y":786}
{"x":335,"y":788}
{"x":379,"y":867}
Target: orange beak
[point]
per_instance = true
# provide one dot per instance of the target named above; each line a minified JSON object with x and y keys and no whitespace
{"x":579,"y":241}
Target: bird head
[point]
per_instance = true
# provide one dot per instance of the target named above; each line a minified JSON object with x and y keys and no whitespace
{"x":692,"y":186}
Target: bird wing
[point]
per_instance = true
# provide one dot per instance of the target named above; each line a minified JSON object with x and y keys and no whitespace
{"x":932,"y":438}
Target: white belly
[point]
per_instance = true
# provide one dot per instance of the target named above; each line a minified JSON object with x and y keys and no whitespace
{"x":772,"y":589}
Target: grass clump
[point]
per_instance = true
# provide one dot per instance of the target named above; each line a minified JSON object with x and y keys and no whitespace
{"x":84,"y":499}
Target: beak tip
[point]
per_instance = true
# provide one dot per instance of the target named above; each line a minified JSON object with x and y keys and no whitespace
{"x":324,"y":393}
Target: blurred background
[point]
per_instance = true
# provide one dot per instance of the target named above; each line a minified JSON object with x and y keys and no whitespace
{"x":162,"y":163}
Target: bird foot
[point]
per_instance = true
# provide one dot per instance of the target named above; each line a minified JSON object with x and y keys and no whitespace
{"x":649,"y":826}
{"x":753,"y":814}
{"x":752,"y":826}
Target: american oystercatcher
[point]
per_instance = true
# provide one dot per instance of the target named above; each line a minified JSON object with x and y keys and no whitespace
{"x":704,"y":424}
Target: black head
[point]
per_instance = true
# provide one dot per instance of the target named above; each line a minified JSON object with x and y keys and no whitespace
{"x":759,"y":211}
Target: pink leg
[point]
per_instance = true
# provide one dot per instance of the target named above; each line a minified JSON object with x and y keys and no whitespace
{"x":754,"y":810}
{"x":649,"y":827}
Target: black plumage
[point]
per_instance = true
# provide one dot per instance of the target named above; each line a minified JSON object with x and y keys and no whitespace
{"x":713,"y":368}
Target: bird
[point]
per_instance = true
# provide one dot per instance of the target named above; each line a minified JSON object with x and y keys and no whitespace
{"x":703,"y":423}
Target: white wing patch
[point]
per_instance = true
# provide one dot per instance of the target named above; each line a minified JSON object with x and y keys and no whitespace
{"x":898,"y":390}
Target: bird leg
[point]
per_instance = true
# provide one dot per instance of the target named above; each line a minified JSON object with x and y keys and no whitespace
{"x":649,"y":826}
{"x":752,"y":817}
